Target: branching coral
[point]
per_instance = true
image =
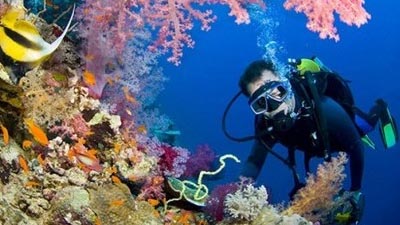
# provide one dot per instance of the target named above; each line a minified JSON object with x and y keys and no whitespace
{"x":246,"y":203}
{"x":172,"y":20}
{"x":316,"y":199}
{"x":47,"y":105}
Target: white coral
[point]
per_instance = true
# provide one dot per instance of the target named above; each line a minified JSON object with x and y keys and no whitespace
{"x":246,"y":203}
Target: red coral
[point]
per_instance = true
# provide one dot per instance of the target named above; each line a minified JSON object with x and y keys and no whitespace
{"x":320,"y":14}
{"x":167,"y":159}
{"x":172,"y":160}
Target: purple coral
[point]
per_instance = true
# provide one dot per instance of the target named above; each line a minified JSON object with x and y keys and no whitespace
{"x":201,"y":160}
{"x":215,"y":203}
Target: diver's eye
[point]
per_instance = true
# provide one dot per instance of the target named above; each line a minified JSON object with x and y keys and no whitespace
{"x":262,"y":103}
{"x":278,"y":92}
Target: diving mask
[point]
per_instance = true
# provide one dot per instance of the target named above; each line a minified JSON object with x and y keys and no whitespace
{"x":269,"y":96}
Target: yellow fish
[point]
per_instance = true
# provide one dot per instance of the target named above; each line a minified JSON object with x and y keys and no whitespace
{"x":21,"y":41}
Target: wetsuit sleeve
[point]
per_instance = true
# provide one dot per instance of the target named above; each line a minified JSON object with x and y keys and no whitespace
{"x":344,"y":136}
{"x":256,"y":159}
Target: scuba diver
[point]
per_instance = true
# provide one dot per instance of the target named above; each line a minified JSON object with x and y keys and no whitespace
{"x":309,"y":108}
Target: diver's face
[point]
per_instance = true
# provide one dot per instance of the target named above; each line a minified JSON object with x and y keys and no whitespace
{"x":267,"y":76}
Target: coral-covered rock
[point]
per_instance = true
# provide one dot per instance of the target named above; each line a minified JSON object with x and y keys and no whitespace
{"x":114,"y":204}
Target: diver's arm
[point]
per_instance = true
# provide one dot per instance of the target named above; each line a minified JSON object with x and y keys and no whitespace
{"x":256,"y":160}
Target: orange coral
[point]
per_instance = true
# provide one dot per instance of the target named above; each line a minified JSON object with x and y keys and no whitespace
{"x":318,"y":194}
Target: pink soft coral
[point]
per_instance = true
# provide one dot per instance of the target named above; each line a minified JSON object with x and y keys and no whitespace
{"x":175,"y":19}
{"x":172,"y":20}
{"x":320,"y":14}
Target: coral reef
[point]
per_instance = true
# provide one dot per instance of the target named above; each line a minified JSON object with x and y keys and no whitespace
{"x":75,"y":147}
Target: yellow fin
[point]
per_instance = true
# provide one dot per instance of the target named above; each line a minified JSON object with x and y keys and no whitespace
{"x":26,"y":44}
{"x":58,"y":41}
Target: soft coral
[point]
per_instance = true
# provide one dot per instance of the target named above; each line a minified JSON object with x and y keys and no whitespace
{"x":173,"y":160}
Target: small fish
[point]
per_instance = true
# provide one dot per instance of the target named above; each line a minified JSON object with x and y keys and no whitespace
{"x":21,"y":41}
{"x":153,"y":202}
{"x":142,"y":129}
{"x":115,"y":180}
{"x":6,"y":137}
{"x":128,"y":111}
{"x":128,"y":95}
{"x":111,"y":170}
{"x":117,"y":147}
{"x":38,"y":134}
{"x":23,"y":164}
{"x":118,"y":202}
{"x":89,"y":78}
{"x":87,"y":159}
{"x":41,"y":160}
{"x":26,"y":144}
{"x":97,"y":221}
{"x":32,"y":184}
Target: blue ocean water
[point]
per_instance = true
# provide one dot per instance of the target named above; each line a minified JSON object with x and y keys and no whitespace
{"x":200,"y":88}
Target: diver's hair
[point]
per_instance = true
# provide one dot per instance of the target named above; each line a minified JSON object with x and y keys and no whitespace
{"x":253,"y":72}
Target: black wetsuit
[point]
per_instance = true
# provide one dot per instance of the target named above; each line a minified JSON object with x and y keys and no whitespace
{"x":342,"y":132}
